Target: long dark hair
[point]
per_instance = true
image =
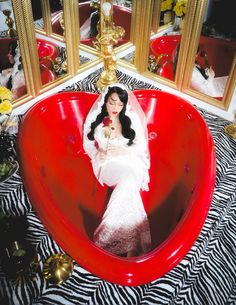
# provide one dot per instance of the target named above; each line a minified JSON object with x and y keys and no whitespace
{"x":125,"y":121}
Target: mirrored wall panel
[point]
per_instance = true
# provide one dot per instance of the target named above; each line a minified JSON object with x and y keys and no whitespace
{"x":51,"y":52}
{"x":89,"y":14}
{"x":216,"y":49}
{"x":164,"y":46}
{"x":12,"y":74}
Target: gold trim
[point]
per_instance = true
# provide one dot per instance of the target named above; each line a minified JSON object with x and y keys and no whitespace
{"x":71,"y":23}
{"x":156,"y":16}
{"x":186,"y":39}
{"x":46,"y":13}
{"x":230,"y":85}
{"x":195,"y":35}
{"x":89,"y":49}
{"x":143,"y":28}
{"x":133,"y":22}
{"x":28,"y":45}
{"x":126,"y":64}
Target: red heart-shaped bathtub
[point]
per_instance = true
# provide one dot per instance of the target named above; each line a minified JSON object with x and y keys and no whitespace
{"x":63,"y":190}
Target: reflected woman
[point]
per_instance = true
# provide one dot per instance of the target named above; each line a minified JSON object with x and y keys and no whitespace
{"x":115,"y":138}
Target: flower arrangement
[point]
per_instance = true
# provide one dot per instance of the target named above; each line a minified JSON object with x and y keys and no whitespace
{"x":5,"y":107}
{"x":7,"y":143}
{"x":166,"y":5}
{"x":180,"y":8}
{"x":5,"y":100}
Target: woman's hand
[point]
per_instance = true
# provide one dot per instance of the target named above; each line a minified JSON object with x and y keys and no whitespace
{"x":115,"y":150}
{"x":101,"y":155}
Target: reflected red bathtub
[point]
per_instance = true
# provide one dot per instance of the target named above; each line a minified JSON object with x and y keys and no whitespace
{"x":219,"y":52}
{"x":121,"y":17}
{"x":61,"y":186}
{"x":46,"y":49}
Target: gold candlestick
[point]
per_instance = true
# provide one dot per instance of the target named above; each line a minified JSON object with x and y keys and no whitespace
{"x":110,"y":36}
{"x":9,"y":22}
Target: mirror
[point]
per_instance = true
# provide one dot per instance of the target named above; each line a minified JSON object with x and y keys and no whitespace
{"x":38,"y":15}
{"x":216,"y":49}
{"x":167,"y":15}
{"x":89,"y":15}
{"x":164,"y":46}
{"x":11,"y":67}
{"x":51,"y":52}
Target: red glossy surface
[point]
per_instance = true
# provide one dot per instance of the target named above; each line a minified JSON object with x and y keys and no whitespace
{"x":121,"y":17}
{"x":47,"y":49}
{"x":220,"y":52}
{"x":62,"y":188}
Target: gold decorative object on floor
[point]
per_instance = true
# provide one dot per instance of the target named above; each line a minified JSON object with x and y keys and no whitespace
{"x":58,"y":268}
{"x":110,"y":36}
{"x":230,"y":130}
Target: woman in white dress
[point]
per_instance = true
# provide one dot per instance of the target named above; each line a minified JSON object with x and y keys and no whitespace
{"x":115,"y":138}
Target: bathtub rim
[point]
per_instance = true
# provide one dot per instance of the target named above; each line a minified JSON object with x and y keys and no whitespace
{"x":134,"y":271}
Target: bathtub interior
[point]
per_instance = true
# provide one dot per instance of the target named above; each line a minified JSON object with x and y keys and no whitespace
{"x":176,"y":155}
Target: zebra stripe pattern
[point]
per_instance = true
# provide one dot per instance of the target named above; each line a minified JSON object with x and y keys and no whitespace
{"x":206,"y":275}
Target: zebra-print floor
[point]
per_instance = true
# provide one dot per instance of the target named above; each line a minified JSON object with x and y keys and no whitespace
{"x":206,"y":276}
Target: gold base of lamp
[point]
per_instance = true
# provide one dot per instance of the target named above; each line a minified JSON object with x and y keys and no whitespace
{"x":106,"y":78}
{"x":109,"y":37}
{"x":58,"y":268}
{"x":230,"y":130}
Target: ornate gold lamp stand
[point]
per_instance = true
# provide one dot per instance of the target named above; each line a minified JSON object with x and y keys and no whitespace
{"x":110,"y":35}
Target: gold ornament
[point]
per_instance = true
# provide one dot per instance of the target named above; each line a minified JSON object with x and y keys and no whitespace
{"x":230,"y":130}
{"x":58,"y":268}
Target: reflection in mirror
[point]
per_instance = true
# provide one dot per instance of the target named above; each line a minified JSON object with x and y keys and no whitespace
{"x":167,"y":15}
{"x":164,"y":47}
{"x":51,"y":53}
{"x":11,"y":67}
{"x":216,"y":49}
{"x":50,"y":60}
{"x":37,"y":14}
{"x":89,"y":14}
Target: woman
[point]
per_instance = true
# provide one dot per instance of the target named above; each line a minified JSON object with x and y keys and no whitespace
{"x":115,"y":138}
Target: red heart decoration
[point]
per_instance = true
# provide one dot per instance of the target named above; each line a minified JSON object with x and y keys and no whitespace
{"x":63,"y":190}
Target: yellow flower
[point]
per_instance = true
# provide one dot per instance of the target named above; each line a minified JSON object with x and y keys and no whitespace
{"x":5,"y":94}
{"x":5,"y":107}
{"x":166,"y":5}
{"x":180,"y":8}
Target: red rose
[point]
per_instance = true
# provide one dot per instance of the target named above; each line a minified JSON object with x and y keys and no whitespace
{"x":106,"y":121}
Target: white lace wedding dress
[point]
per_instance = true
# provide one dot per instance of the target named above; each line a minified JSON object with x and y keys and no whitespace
{"x":124,"y":226}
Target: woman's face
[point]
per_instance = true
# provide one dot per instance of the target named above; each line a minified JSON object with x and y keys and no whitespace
{"x":114,"y":105}
{"x":11,"y":57}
